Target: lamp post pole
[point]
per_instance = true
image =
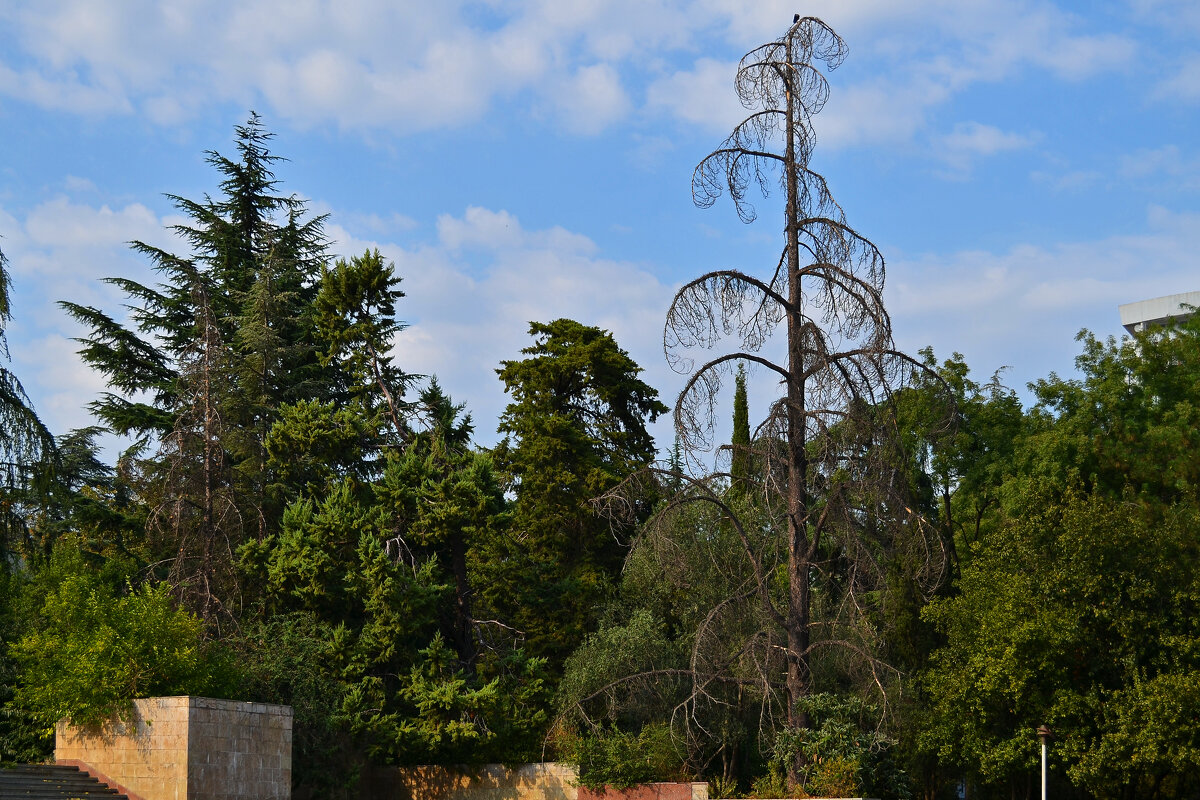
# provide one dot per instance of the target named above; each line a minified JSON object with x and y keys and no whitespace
{"x":1043,"y":733}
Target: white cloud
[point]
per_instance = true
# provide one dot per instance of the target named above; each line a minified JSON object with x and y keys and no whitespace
{"x":970,"y":140}
{"x":1184,"y":84}
{"x":591,"y":100}
{"x":1166,"y":165}
{"x":404,"y":66}
{"x":61,"y":223}
{"x":1170,"y":14}
{"x":877,"y":112}
{"x":1023,"y":307}
{"x":702,"y":95}
{"x":60,"y":250}
{"x":50,"y":368}
{"x":467,"y":316}
{"x":974,"y":138}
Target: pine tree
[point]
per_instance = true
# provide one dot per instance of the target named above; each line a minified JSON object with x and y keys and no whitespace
{"x":355,"y":313}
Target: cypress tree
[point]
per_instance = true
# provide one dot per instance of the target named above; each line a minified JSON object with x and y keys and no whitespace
{"x":739,"y":466}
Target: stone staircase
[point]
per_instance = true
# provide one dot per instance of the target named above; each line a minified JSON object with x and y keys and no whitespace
{"x":52,"y":782}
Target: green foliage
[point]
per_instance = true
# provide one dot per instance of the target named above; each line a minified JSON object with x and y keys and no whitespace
{"x":448,"y":500}
{"x":601,"y":680}
{"x":27,"y":449}
{"x":843,"y":752}
{"x":313,"y":445}
{"x":282,"y":659}
{"x":22,"y":737}
{"x":1130,"y":421}
{"x":355,"y":313}
{"x":740,"y":456}
{"x":684,"y":635}
{"x":722,"y":787}
{"x":208,"y":356}
{"x":96,"y":645}
{"x":576,"y":427}
{"x":1078,"y":613}
{"x":772,"y":784}
{"x":616,"y":758}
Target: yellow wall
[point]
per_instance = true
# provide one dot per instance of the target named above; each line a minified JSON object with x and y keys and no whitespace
{"x":189,"y":748}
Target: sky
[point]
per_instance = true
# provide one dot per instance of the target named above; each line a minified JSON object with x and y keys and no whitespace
{"x":1025,"y":166}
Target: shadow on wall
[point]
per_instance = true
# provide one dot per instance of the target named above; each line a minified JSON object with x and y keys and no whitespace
{"x":549,"y":781}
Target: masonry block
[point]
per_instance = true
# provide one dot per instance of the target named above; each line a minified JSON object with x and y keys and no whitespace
{"x":188,"y":748}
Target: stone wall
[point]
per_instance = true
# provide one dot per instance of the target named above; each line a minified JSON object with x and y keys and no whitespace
{"x":649,"y":791}
{"x":188,"y":748}
{"x":239,"y":750}
{"x":549,"y":781}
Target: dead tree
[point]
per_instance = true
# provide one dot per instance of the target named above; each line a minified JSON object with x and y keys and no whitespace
{"x":824,"y":460}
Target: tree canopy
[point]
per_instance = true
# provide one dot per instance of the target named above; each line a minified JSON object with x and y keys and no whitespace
{"x":884,"y":587}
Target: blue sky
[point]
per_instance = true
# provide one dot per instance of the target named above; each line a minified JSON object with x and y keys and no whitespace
{"x":1025,"y":166}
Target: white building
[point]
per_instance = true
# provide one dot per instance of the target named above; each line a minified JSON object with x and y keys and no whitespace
{"x":1136,"y":317}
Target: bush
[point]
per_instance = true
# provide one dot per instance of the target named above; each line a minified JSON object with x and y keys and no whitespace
{"x":95,"y":646}
{"x":844,"y":755}
{"x":619,"y":759}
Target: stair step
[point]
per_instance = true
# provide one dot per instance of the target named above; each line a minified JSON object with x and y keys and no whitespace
{"x":53,"y":782}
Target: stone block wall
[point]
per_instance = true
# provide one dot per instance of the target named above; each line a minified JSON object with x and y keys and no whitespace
{"x":188,"y":748}
{"x":649,"y":791}
{"x":238,"y":750}
{"x":548,"y":781}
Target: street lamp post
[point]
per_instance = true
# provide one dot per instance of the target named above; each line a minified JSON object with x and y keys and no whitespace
{"x":1043,"y":733}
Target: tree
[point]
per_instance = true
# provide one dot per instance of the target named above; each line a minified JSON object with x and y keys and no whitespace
{"x":961,"y":465}
{"x":1129,"y":422}
{"x":446,"y":500}
{"x":98,"y":643}
{"x":827,"y":456}
{"x":1079,"y":612}
{"x":576,"y":427}
{"x":740,"y":452}
{"x":25,"y":443}
{"x":196,"y":515}
{"x":212,"y":354}
{"x":355,"y":312}
{"x":1075,"y":607}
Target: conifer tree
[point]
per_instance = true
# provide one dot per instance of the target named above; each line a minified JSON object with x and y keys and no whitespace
{"x":827,"y":467}
{"x":211,"y":354}
{"x":576,"y":428}
{"x":739,"y":458}
{"x":25,"y":442}
{"x":355,"y":313}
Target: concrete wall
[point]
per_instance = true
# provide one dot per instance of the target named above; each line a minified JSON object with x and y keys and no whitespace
{"x":146,"y":757}
{"x":188,"y":748}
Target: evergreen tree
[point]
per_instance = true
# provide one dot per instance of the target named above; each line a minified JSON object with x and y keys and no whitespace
{"x":355,"y":313}
{"x":446,"y":500}
{"x":212,"y":354}
{"x":25,"y":443}
{"x":739,"y":458}
{"x":576,"y":427}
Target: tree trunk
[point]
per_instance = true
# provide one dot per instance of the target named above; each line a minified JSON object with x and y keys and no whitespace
{"x":799,"y":677}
